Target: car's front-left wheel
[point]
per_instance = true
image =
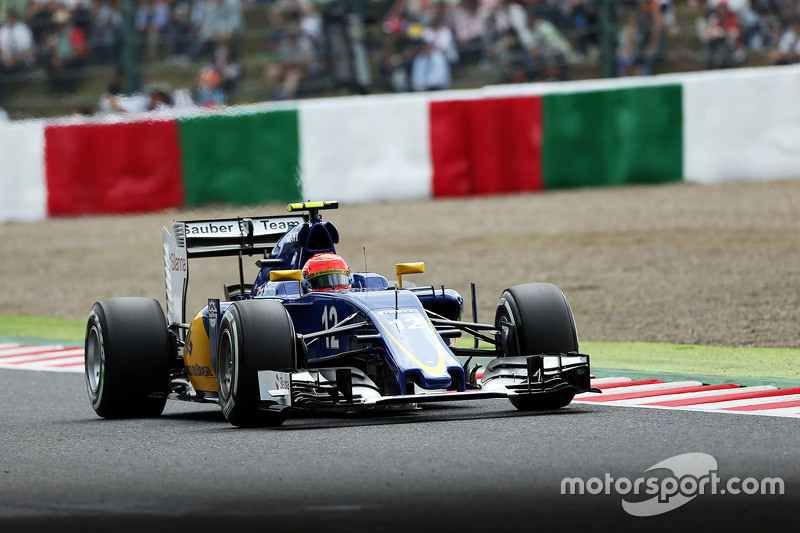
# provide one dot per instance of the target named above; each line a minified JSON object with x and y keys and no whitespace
{"x":254,"y":335}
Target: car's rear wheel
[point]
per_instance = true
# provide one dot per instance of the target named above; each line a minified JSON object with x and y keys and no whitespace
{"x":127,"y":357}
{"x":254,"y":335}
{"x":535,"y":318}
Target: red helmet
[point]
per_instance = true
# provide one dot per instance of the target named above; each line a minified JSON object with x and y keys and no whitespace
{"x":326,"y":272}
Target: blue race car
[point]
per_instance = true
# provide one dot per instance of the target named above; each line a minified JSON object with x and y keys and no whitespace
{"x":278,"y":346}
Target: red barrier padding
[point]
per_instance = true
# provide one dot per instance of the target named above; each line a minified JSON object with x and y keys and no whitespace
{"x":486,"y":146}
{"x":113,"y":168}
{"x":452,"y":163}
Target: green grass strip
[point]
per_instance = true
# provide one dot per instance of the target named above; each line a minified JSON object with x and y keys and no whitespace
{"x":675,"y":361}
{"x":710,"y":364}
{"x":41,"y":327}
{"x":695,"y":360}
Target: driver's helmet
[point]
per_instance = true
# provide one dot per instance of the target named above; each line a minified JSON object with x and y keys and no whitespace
{"x":326,"y":272}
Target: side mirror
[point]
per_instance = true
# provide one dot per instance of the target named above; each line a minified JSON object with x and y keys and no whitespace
{"x":288,"y":275}
{"x":407,"y":268}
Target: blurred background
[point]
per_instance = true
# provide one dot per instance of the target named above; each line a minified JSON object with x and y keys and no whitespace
{"x":62,"y":57}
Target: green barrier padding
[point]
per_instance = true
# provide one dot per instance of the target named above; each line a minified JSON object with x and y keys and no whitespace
{"x":613,"y":137}
{"x":241,"y":159}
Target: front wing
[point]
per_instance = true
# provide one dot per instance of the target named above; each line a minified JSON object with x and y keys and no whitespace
{"x":347,"y":389}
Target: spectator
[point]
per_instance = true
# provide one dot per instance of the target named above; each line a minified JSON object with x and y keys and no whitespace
{"x":627,"y":47}
{"x":396,"y":59}
{"x":585,"y":19}
{"x":544,"y":44}
{"x":430,"y":70}
{"x":788,"y":49}
{"x":152,"y":22}
{"x":505,"y":53}
{"x":441,"y":39}
{"x":179,"y":32}
{"x":469,"y":26}
{"x":40,"y":18}
{"x":303,"y":11}
{"x":222,"y":24}
{"x":209,"y":92}
{"x":106,"y":19}
{"x":642,"y":43}
{"x":747,"y":18}
{"x":723,"y":38}
{"x":17,"y":50}
{"x":229,"y":69}
{"x":650,"y":35}
{"x":66,"y":50}
{"x":296,"y":57}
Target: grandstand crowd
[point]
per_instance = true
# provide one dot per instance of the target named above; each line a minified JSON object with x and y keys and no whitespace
{"x":412,"y":45}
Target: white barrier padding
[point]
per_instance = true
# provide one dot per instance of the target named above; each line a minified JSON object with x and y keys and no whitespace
{"x":742,"y":125}
{"x":23,"y":193}
{"x":366,"y":149}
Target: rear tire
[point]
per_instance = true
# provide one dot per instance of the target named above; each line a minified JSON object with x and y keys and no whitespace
{"x":127,"y":357}
{"x":535,"y":318}
{"x":254,"y":335}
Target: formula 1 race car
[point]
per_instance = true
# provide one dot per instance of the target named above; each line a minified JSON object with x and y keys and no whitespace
{"x":273,"y":347}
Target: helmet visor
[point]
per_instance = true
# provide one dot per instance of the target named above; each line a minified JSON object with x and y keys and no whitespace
{"x":334,"y":280}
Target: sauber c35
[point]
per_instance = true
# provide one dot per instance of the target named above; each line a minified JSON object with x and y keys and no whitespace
{"x":271,"y":348}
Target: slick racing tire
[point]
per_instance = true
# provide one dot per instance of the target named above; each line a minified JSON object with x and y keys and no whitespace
{"x":127,"y":357}
{"x":535,"y":318}
{"x":254,"y":335}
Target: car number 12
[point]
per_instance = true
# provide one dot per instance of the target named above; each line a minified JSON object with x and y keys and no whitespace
{"x":330,"y":317}
{"x":410,"y":322}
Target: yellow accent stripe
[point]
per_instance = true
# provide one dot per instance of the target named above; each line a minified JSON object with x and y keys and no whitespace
{"x":311,"y":205}
{"x":439,"y":369}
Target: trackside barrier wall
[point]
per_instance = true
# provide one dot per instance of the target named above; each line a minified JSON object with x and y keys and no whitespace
{"x":364,"y":149}
{"x":245,"y":158}
{"x":112,"y":168}
{"x":23,"y":193}
{"x":742,"y":125}
{"x":705,"y":127}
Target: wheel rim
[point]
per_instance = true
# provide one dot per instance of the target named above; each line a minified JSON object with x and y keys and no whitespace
{"x":95,"y":360}
{"x":226,"y":363}
{"x":508,"y":331}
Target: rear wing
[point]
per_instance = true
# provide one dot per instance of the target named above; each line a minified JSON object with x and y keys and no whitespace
{"x":216,"y":238}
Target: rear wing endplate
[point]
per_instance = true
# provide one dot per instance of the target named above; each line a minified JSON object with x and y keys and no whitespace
{"x":216,"y":238}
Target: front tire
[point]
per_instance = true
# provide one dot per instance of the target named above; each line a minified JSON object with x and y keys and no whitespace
{"x":127,"y":357}
{"x":254,"y":335}
{"x":535,"y":318}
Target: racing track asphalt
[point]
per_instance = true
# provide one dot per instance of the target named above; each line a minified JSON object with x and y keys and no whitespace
{"x":469,"y":466}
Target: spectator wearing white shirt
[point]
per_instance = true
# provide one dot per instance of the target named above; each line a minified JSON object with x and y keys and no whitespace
{"x":441,"y":39}
{"x":17,"y":51}
{"x":430,"y":70}
{"x":788,"y":49}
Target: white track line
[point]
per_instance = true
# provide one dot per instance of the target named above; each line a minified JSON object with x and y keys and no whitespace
{"x":26,"y":350}
{"x":51,"y":358}
{"x":640,"y":388}
{"x":608,"y":381}
{"x":43,"y":356}
{"x":749,"y":401}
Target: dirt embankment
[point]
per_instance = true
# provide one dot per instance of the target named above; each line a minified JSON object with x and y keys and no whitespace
{"x":683,"y":263}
